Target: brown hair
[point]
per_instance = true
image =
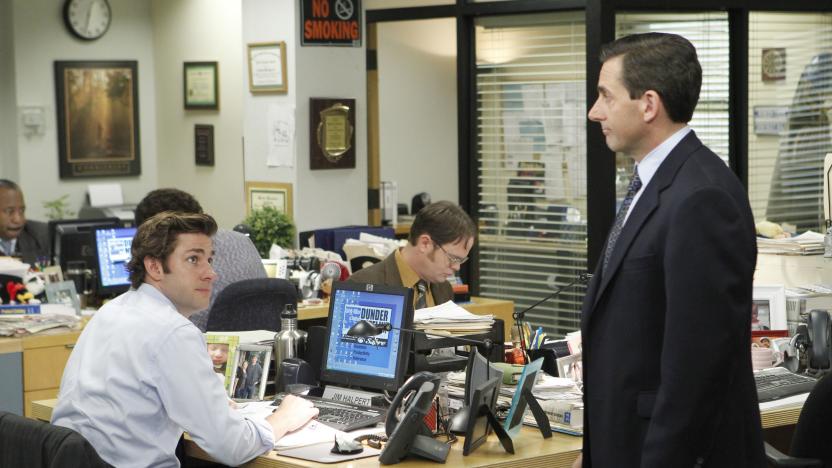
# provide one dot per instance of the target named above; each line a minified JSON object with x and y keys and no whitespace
{"x":665,"y":63}
{"x":157,"y":236}
{"x":444,"y":222}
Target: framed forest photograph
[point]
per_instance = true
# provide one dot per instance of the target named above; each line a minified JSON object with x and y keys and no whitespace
{"x":98,"y":118}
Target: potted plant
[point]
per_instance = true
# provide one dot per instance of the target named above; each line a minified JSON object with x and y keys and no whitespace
{"x":269,"y":226}
{"x":58,"y":208}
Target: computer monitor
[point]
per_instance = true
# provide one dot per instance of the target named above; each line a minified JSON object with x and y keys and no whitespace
{"x":376,"y":362}
{"x":72,"y":241}
{"x":112,"y":250}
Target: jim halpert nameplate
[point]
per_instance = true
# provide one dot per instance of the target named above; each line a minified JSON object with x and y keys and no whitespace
{"x":332,"y":133}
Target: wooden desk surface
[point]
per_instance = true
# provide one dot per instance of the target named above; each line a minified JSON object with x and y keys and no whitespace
{"x":44,"y":339}
{"x":500,"y":308}
{"x":531,"y":449}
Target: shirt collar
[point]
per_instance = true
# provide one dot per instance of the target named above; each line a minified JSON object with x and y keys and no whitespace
{"x":648,"y":166}
{"x":409,"y":277}
{"x":155,"y":293}
{"x":9,"y":245}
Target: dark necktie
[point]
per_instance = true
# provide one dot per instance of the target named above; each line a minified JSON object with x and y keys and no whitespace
{"x":421,"y":295}
{"x":635,"y":185}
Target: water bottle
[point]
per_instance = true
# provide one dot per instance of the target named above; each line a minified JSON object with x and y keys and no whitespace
{"x":289,"y":342}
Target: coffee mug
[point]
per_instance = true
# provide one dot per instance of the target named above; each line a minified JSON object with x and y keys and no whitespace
{"x":762,"y":357}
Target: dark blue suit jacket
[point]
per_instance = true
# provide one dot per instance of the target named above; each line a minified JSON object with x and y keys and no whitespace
{"x":666,"y":330}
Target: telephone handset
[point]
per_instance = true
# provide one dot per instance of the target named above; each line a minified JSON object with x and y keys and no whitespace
{"x":820,"y":355}
{"x":408,"y":434}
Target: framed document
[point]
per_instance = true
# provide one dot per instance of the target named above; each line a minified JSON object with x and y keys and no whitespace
{"x":267,"y":67}
{"x":276,"y":194}
{"x":331,"y":133}
{"x":201,"y":85}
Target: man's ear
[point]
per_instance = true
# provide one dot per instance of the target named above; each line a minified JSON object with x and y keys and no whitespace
{"x":153,"y":268}
{"x":651,"y":105}
{"x":424,"y":243}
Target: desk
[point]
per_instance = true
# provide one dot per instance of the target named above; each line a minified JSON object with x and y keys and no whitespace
{"x":31,"y":367}
{"x":500,"y":308}
{"x":532,"y":450}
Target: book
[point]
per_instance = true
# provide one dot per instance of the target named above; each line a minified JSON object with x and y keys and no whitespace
{"x":19,"y":309}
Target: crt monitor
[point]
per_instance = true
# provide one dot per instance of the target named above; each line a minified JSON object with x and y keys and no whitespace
{"x":376,"y":362}
{"x":72,"y":241}
{"x":112,"y":250}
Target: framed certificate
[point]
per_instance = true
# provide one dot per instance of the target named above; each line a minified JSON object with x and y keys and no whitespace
{"x":201,"y":85}
{"x":267,"y":67}
{"x":276,"y":194}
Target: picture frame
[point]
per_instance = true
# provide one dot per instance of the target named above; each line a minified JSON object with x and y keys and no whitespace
{"x":53,"y":274}
{"x":276,"y":194}
{"x":222,"y":349}
{"x":97,"y":109}
{"x":768,"y":308}
{"x":203,"y":145}
{"x":267,"y":68}
{"x":247,"y":384}
{"x":63,"y":292}
{"x":201,"y":85}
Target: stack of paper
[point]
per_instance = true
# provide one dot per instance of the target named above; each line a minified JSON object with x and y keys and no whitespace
{"x":808,"y":243}
{"x":452,"y":320}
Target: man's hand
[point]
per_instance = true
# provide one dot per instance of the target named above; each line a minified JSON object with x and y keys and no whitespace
{"x":292,"y":413}
{"x":579,"y":462}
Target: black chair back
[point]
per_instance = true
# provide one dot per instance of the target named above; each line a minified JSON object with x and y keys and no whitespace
{"x":811,"y":435}
{"x":357,"y":263}
{"x":252,"y":304}
{"x":30,"y":443}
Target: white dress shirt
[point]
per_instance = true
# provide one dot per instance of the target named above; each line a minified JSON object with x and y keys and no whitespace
{"x":139,"y":376}
{"x":650,"y":164}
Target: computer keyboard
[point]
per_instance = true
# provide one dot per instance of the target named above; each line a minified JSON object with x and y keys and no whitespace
{"x":342,"y":416}
{"x":777,"y":382}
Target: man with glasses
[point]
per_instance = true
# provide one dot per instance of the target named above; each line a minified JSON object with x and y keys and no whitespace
{"x":440,"y":238}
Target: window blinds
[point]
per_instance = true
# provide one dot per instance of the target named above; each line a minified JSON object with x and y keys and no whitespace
{"x":531,"y":150}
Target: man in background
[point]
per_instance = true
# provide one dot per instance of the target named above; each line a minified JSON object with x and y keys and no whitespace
{"x":28,"y":240}
{"x":140,"y":375}
{"x":236,"y":256}
{"x":253,"y":375}
{"x":665,"y":322}
{"x":440,"y":238}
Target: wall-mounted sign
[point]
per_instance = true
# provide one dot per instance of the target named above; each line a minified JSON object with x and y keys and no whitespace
{"x":330,"y":23}
{"x":773,"y":65}
{"x":770,"y":120}
{"x":332,"y":133}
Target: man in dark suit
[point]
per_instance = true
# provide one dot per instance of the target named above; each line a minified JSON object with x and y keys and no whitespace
{"x":666,"y":319}
{"x":28,"y":240}
{"x":440,"y":238}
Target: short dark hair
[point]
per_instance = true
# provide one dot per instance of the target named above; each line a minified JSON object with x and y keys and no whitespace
{"x":9,"y":184}
{"x":165,"y":199}
{"x":444,"y":222}
{"x":665,"y":63}
{"x":157,"y":237}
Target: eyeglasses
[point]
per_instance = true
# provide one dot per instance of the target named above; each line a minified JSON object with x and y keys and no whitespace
{"x":451,"y":257}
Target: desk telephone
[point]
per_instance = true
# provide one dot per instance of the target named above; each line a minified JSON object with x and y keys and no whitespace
{"x":812,"y":342}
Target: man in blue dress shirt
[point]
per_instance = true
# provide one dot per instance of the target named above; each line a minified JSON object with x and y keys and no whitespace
{"x":140,"y":375}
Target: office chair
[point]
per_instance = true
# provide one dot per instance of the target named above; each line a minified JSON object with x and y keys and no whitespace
{"x":252,"y":304}
{"x":31,"y":443}
{"x":810,"y":442}
{"x":362,"y":261}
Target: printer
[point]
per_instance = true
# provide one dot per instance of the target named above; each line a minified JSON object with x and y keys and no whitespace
{"x":107,"y":201}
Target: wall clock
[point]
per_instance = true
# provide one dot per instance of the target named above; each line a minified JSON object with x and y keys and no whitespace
{"x":87,"y":19}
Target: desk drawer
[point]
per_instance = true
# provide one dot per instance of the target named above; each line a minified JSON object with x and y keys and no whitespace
{"x":44,"y":366}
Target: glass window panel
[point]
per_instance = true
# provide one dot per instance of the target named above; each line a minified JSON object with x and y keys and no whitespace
{"x":531,"y":139}
{"x":789,"y":103}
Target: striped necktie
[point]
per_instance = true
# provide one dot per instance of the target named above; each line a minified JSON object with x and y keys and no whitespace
{"x":421,"y":295}
{"x":635,"y":185}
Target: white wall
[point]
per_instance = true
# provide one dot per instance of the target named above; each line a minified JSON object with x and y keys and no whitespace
{"x":335,"y":197}
{"x":8,"y":106}
{"x":40,"y":38}
{"x":417,"y":107}
{"x":201,"y":30}
{"x":267,"y":21}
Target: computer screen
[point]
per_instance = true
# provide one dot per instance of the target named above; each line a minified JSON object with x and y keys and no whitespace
{"x":112,"y":247}
{"x":376,"y":362}
{"x":72,"y":242}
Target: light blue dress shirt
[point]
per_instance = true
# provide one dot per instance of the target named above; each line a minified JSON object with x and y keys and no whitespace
{"x":139,"y":376}
{"x":651,"y":162}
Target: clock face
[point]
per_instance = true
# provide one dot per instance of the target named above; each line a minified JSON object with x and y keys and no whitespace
{"x":87,"y":19}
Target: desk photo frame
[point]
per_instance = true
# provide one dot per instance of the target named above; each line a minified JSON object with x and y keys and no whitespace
{"x":523,"y":398}
{"x":768,"y":309}
{"x":251,"y":389}
{"x":222,"y":349}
